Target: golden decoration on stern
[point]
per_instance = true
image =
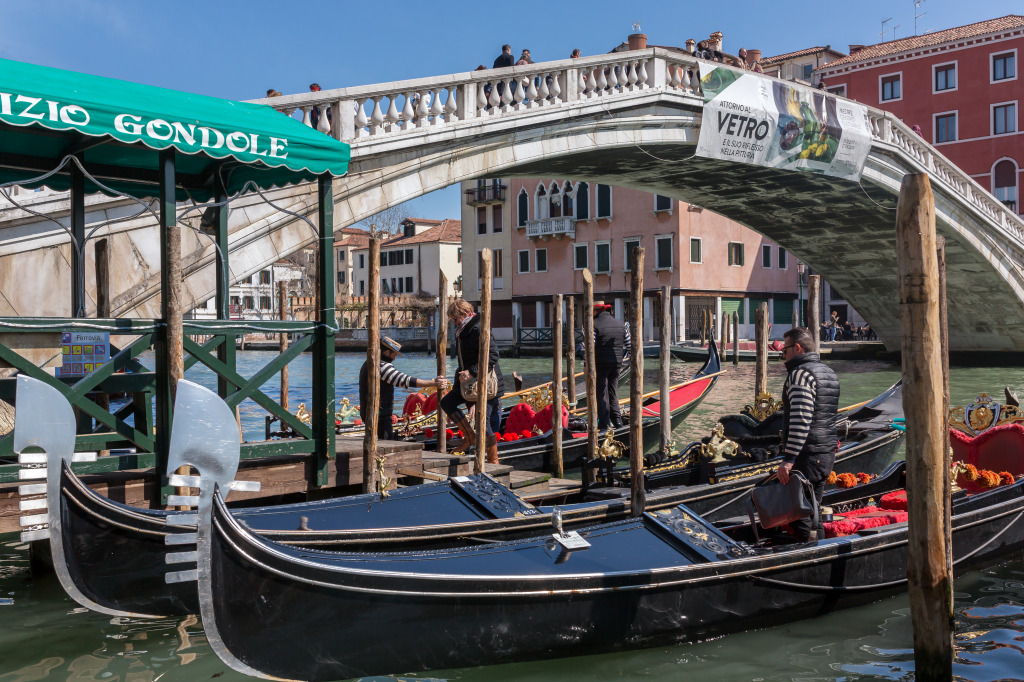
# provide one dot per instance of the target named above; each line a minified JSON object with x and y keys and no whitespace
{"x":611,"y":449}
{"x":764,"y":406}
{"x":719,"y":448}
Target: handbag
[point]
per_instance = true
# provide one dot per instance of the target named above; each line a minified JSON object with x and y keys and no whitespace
{"x":469,"y":387}
{"x":777,"y":504}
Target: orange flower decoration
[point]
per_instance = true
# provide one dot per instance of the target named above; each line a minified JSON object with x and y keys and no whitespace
{"x":832,"y":478}
{"x":989,"y":479}
{"x":846,"y":480}
{"x":971,"y":474}
{"x":1007,"y":477}
{"x":863,"y":478}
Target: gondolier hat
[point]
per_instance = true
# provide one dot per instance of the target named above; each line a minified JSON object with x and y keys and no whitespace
{"x":601,"y":305}
{"x":390,"y":344}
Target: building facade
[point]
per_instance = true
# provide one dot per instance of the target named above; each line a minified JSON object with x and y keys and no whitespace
{"x":960,"y":86}
{"x":801,"y":66}
{"x":486,"y":221}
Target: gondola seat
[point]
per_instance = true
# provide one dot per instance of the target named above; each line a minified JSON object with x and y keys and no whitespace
{"x":413,"y":401}
{"x":857,"y":520}
{"x":1000,"y":448}
{"x":520,"y":418}
{"x":543,"y":418}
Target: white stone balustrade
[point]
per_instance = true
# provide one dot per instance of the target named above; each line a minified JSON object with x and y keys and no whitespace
{"x":551,"y":227}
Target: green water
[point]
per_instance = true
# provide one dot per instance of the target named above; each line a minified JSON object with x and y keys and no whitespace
{"x":46,"y":636}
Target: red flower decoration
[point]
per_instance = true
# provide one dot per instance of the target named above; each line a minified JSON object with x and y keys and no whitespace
{"x":846,"y":480}
{"x":863,"y":478}
{"x":428,"y":433}
{"x":498,"y":437}
{"x":526,"y":433}
{"x":449,"y":433}
{"x":394,"y":419}
{"x":832,"y":478}
{"x":511,"y":436}
{"x":337,"y":422}
{"x":461,"y":434}
{"x":1007,"y":477}
{"x":358,"y":422}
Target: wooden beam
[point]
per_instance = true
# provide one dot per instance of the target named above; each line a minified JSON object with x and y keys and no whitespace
{"x":590,"y":370}
{"x":761,"y":352}
{"x":814,"y":310}
{"x":484,"y":349}
{"x":636,"y":383}
{"x":929,"y":581}
{"x":170,"y":337}
{"x":940,"y":253}
{"x":735,"y":340}
{"x":570,"y":348}
{"x":282,"y":314}
{"x":442,"y":360}
{"x":323,"y":398}
{"x":664,"y":369}
{"x":556,"y":389}
{"x":373,"y":374}
{"x":77,"y":254}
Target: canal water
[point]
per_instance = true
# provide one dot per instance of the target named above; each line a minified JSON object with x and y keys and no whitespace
{"x":45,"y":636}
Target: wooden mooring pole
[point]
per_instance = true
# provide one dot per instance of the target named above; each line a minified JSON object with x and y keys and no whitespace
{"x":929,"y":580}
{"x":556,"y":389}
{"x":735,"y":339}
{"x":570,"y":348}
{"x":590,"y":371}
{"x":482,"y":359}
{"x":814,"y":309}
{"x":940,"y":254}
{"x":373,"y":375}
{"x":761,"y":350}
{"x":636,"y":384}
{"x":442,"y":351}
{"x":282,"y":304}
{"x":663,"y":373}
{"x":103,"y":309}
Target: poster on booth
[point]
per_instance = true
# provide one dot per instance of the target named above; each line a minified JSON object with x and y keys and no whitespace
{"x":752,"y":119}
{"x":83,"y":352}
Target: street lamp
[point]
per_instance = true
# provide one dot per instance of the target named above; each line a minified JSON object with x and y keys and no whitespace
{"x":800,"y":269}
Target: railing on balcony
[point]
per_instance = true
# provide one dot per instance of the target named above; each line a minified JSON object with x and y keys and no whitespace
{"x":551,"y":227}
{"x":486,"y":194}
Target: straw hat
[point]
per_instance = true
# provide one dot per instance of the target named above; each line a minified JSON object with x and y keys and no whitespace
{"x":390,"y":344}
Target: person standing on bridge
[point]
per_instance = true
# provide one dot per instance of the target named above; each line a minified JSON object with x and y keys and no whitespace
{"x":315,"y":113}
{"x":505,"y":58}
{"x":611,"y":345}
{"x":810,"y":402}
{"x":389,"y":379}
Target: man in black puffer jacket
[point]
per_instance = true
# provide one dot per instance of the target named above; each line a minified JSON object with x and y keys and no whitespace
{"x":810,"y":401}
{"x":611,"y":347}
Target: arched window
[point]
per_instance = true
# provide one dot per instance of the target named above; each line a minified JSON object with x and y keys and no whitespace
{"x":555,"y":201}
{"x":1004,"y":183}
{"x":540,"y":209}
{"x":582,"y":201}
{"x":604,"y":201}
{"x":523,"y":208}
{"x":567,"y":199}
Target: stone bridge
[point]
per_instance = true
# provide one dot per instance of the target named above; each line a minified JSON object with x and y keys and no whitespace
{"x":630,"y":119}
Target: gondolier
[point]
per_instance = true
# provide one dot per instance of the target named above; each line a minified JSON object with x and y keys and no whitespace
{"x":390,"y":377}
{"x":810,"y":400}
{"x":611,"y":346}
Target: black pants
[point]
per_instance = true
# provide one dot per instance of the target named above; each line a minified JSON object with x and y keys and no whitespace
{"x":816,"y":468}
{"x":608,"y":397}
{"x":452,"y":399}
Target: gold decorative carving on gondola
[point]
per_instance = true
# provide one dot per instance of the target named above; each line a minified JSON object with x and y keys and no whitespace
{"x":611,"y":449}
{"x":983,"y":414}
{"x":383,"y":480}
{"x":719,"y":448}
{"x":764,"y":406}
{"x":347,"y":412}
{"x":767,"y":468}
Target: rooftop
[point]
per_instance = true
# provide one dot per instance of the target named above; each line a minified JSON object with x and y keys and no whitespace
{"x":800,"y":53}
{"x":447,"y":230}
{"x":929,"y":39}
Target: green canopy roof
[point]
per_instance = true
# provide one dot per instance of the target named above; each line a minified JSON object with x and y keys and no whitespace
{"x":117,"y":128}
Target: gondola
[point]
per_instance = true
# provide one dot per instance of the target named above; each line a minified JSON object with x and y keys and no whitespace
{"x":111,"y":557}
{"x":670,"y":576}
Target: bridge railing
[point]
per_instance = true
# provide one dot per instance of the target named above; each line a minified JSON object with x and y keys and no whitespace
{"x":401,"y":107}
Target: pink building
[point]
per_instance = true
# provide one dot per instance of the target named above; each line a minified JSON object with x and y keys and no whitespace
{"x":711,"y":263}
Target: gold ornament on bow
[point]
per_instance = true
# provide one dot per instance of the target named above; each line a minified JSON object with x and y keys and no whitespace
{"x":719,"y":448}
{"x":764,"y":406}
{"x":611,"y":449}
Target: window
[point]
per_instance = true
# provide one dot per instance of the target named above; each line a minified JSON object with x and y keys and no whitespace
{"x":945,"y":127}
{"x":783,"y":259}
{"x":540,"y":203}
{"x":249,"y":303}
{"x":555,"y":202}
{"x":1005,"y":183}
{"x":629,"y":245}
{"x":496,"y":223}
{"x":459,"y":257}
{"x":542,"y":260}
{"x":838,"y":90}
{"x":1004,"y":118}
{"x":524,"y":261}
{"x":807,"y":71}
{"x":582,"y":201}
{"x":567,"y":200}
{"x":522,"y":208}
{"x":341,"y":277}
{"x":945,"y":77}
{"x":695,"y":255}
{"x":663,"y":252}
{"x":766,"y":256}
{"x":383,"y":258}
{"x":265,"y":303}
{"x":604,"y":202}
{"x":409,"y":230}
{"x":341,"y":256}
{"x":235,"y":300}
{"x":603,"y":257}
{"x":496,"y":262}
{"x":580,"y":257}
{"x":362,"y":262}
{"x":890,"y":87}
{"x":662,"y":203}
{"x":264,"y":276}
{"x":408,"y":285}
{"x":362,"y":287}
{"x":396,"y":285}
{"x":735,"y":253}
{"x":481,"y":220}
{"x":1004,"y":66}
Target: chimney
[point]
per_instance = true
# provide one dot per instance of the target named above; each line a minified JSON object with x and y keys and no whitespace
{"x":753,"y":56}
{"x":637,"y":41}
{"x":854,"y":49}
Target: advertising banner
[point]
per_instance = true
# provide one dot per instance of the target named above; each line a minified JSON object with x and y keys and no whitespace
{"x":767,"y":122}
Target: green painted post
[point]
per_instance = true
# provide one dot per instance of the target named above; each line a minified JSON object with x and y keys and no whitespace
{"x":164,"y":404}
{"x":226,"y":350}
{"x":77,"y":254}
{"x":323,"y":355}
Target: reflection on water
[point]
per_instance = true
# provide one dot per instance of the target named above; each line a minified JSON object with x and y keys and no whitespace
{"x":45,"y":636}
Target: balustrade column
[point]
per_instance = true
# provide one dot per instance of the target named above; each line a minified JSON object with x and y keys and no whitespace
{"x":345,"y":120}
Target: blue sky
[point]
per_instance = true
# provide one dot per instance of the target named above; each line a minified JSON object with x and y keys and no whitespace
{"x":238,"y":50}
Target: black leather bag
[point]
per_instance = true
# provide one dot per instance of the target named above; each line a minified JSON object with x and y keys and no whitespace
{"x":778,"y":504}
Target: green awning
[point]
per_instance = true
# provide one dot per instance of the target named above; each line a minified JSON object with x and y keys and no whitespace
{"x":118,"y":128}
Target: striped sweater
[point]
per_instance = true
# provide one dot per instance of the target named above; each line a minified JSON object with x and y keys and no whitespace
{"x":390,"y":375}
{"x":800,"y":390}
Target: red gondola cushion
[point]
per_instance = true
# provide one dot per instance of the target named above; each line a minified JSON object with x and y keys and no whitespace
{"x":1000,"y":448}
{"x":894,"y":501}
{"x":859,"y":519}
{"x":431,"y":404}
{"x":412,"y":401}
{"x":520,"y":418}
{"x":543,"y":419}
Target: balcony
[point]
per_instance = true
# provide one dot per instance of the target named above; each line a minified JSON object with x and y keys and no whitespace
{"x":551,"y":227}
{"x":486,"y":194}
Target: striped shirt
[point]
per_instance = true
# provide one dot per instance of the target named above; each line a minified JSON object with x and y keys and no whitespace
{"x":390,"y":375}
{"x":800,"y":390}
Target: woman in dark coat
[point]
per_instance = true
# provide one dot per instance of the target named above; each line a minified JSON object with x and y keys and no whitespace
{"x":467,"y":346}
